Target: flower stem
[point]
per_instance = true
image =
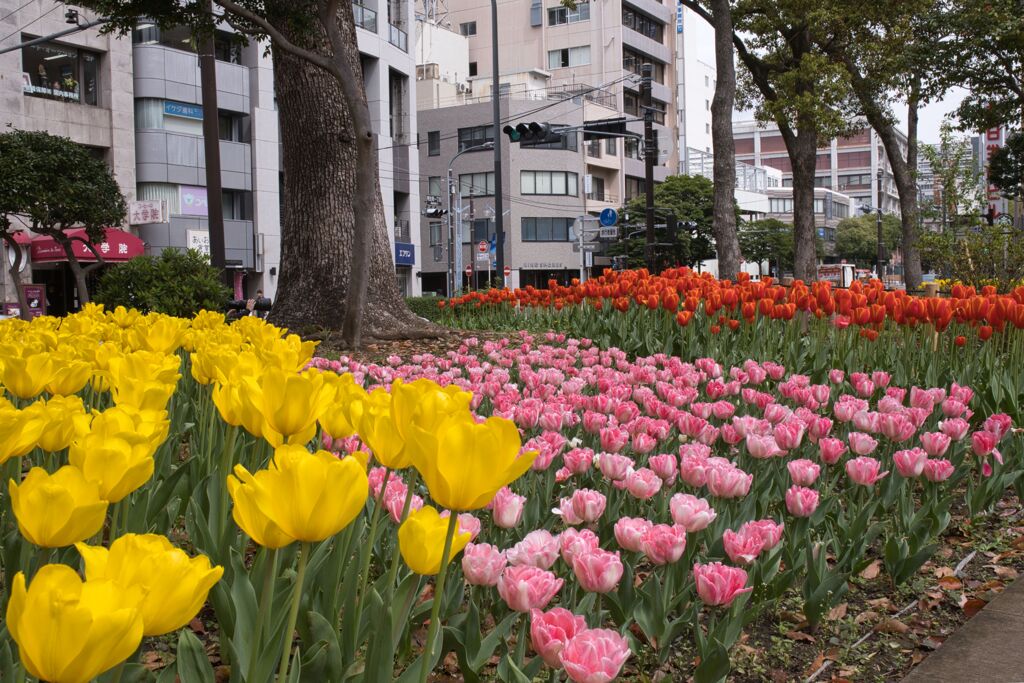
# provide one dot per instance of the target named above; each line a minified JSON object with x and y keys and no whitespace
{"x":266,"y":600}
{"x":364,"y":571}
{"x":293,"y":613}
{"x":393,"y":570}
{"x":435,"y":612}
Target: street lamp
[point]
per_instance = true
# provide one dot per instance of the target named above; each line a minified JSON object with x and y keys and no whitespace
{"x":881,"y":255}
{"x":455,"y":264}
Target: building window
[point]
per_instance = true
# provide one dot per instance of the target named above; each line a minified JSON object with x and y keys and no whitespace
{"x":567,"y":142}
{"x":642,"y":24}
{"x":823,"y":181}
{"x":475,"y":136}
{"x":706,"y":83}
{"x":226,"y":48}
{"x":435,"y":234}
{"x":632,"y":61}
{"x":569,"y":56}
{"x":631,"y":106}
{"x":563,"y":15}
{"x":594,"y":149}
{"x":546,"y":229}
{"x":237,"y":205}
{"x":476,"y":184}
{"x":780,"y":205}
{"x":597,"y":190}
{"x":548,"y":182}
{"x":707,"y":127}
{"x":59,"y":72}
{"x":472,"y":69}
{"x":468,"y":28}
{"x":483,"y":230}
{"x":233,"y":127}
{"x":634,"y":187}
{"x":631,"y":148}
{"x":434,"y":186}
{"x":610,"y":148}
{"x":434,"y":143}
{"x":840,"y":210}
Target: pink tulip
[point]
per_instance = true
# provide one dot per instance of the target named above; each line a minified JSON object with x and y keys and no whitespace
{"x":693,"y":469}
{"x":955,"y":428}
{"x":578,"y":460}
{"x":614,"y":439}
{"x":482,"y":564}
{"x":881,"y":378}
{"x":953,"y":408}
{"x":862,"y":444}
{"x":507,"y":508}
{"x":572,"y":542}
{"x":719,"y":584}
{"x":663,"y":544}
{"x":864,"y":470}
{"x":935,"y":444}
{"x":819,"y":428}
{"x":643,"y":483}
{"x":525,"y":588}
{"x":594,"y":422}
{"x":665,"y":466}
{"x":769,"y":531}
{"x":690,"y":512}
{"x":831,"y":450}
{"x":896,"y":427}
{"x":788,"y":435}
{"x":538,"y":549}
{"x":588,"y":505}
{"x":742,"y":547}
{"x":613,"y":466}
{"x":998,"y":424}
{"x":762,"y":447}
{"x":729,"y":482}
{"x":629,"y":533}
{"x":836,"y":376}
{"x":776,"y":413}
{"x":910,"y":463}
{"x":551,"y":630}
{"x":595,"y":656}
{"x":644,"y":443}
{"x":803,"y":472}
{"x":801,"y":501}
{"x":938,"y":470}
{"x":567,"y":513}
{"x":597,"y":571}
{"x":983,"y":443}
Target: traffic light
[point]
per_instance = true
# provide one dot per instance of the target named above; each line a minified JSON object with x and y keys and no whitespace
{"x":672,"y":227}
{"x":533,"y":133}
{"x":604,"y":128}
{"x":434,"y":212}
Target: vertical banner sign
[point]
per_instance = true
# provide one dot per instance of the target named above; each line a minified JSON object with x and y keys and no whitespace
{"x":679,"y":18}
{"x":994,"y":139}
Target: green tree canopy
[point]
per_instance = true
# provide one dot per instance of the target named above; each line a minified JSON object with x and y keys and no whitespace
{"x":1006,"y":167}
{"x":980,"y":255}
{"x":768,"y":239}
{"x":857,"y":237}
{"x":692,"y":200}
{"x":179,"y":283}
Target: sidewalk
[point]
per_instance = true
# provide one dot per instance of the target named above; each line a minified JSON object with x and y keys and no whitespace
{"x":987,"y":649}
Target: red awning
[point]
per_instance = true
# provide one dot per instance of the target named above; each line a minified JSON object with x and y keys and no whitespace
{"x":21,"y":237}
{"x":119,"y":245}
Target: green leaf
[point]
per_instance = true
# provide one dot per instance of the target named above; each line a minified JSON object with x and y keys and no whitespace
{"x":714,"y":664}
{"x":193,"y":665}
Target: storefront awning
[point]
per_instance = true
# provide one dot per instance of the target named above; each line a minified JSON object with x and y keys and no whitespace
{"x":118,"y":246}
{"x":21,"y":237}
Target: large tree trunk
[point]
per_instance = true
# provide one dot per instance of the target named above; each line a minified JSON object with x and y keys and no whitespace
{"x":803,"y":154}
{"x":724,"y":223}
{"x":909,"y":209}
{"x":321,"y":226}
{"x":15,"y":272}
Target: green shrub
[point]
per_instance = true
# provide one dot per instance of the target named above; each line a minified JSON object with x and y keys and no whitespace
{"x":425,"y":307}
{"x":179,"y":283}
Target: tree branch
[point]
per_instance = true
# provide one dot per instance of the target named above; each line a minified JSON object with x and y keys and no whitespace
{"x":279,"y":38}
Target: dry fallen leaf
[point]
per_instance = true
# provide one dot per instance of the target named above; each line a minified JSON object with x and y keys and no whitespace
{"x":943,"y":571}
{"x":950,"y":583}
{"x":891,"y":626}
{"x":1008,"y":573}
{"x":882,"y":603}
{"x":800,"y":635}
{"x":932,"y":642}
{"x":837,"y":612}
{"x":972,"y":607}
{"x":865,"y":616}
{"x":197,"y":626}
{"x":871,"y":571}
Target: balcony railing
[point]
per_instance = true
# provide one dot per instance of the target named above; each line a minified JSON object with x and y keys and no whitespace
{"x":402,"y":230}
{"x":398,"y":38}
{"x":606,"y":197}
{"x":365,"y":17}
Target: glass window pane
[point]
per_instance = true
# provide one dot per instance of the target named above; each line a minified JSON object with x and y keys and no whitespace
{"x":544,"y":229}
{"x":527,"y":182}
{"x":543,"y":182}
{"x":558,"y":183}
{"x":571,"y":185}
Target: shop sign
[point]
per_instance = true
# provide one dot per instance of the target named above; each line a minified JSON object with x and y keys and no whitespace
{"x":405,"y":254}
{"x":183,"y":111}
{"x":198,"y":240}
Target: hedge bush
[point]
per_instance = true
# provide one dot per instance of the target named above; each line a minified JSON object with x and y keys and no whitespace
{"x":179,"y":283}
{"x":425,"y":306}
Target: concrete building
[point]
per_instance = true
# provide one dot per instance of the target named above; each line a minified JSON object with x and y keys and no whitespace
{"x":548,"y":47}
{"x":80,"y":87}
{"x":695,"y":85}
{"x":830,"y":208}
{"x":846,"y":165}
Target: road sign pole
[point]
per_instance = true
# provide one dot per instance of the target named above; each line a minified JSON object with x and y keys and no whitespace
{"x":583,"y":255}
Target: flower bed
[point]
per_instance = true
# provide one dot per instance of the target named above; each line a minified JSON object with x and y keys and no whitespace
{"x":606,"y":510}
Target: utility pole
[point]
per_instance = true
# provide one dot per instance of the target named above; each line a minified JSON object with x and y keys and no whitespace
{"x":650,"y":154}
{"x":452,"y":272}
{"x":880,"y":257}
{"x":211,"y":148}
{"x":499,"y":232}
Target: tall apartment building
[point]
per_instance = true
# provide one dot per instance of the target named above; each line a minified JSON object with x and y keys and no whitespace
{"x":137,"y":103}
{"x":846,"y":165}
{"x":695,"y":86}
{"x":597,"y":45}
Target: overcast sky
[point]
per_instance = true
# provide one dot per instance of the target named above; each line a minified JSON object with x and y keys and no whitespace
{"x":932,"y":116}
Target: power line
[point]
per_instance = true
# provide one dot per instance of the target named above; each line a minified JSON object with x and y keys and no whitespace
{"x":13,"y":11}
{"x":19,"y":30}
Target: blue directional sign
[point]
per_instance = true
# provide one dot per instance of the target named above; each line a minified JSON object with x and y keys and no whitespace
{"x":608,"y":217}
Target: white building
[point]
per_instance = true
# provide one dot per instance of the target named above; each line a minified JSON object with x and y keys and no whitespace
{"x":695,"y":83}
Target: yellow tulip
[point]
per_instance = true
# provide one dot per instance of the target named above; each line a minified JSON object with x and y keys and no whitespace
{"x":20,"y":431}
{"x":56,"y":510}
{"x":69,"y":376}
{"x":173,"y":584}
{"x":208,"y":320}
{"x":212,"y":363}
{"x":163,"y":335}
{"x":124,"y":318}
{"x":421,"y":540}
{"x":425,"y":404}
{"x":27,"y":376}
{"x":377,"y":430}
{"x":142,"y":394}
{"x":69,"y":630}
{"x":341,"y":416}
{"x":464,"y":463}
{"x":117,"y":450}
{"x":303,"y":496}
{"x":59,"y":416}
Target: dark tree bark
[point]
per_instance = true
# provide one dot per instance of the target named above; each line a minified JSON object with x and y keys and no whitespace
{"x":724,"y":222}
{"x":15,"y":271}
{"x":803,"y":154}
{"x":336,"y":266}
